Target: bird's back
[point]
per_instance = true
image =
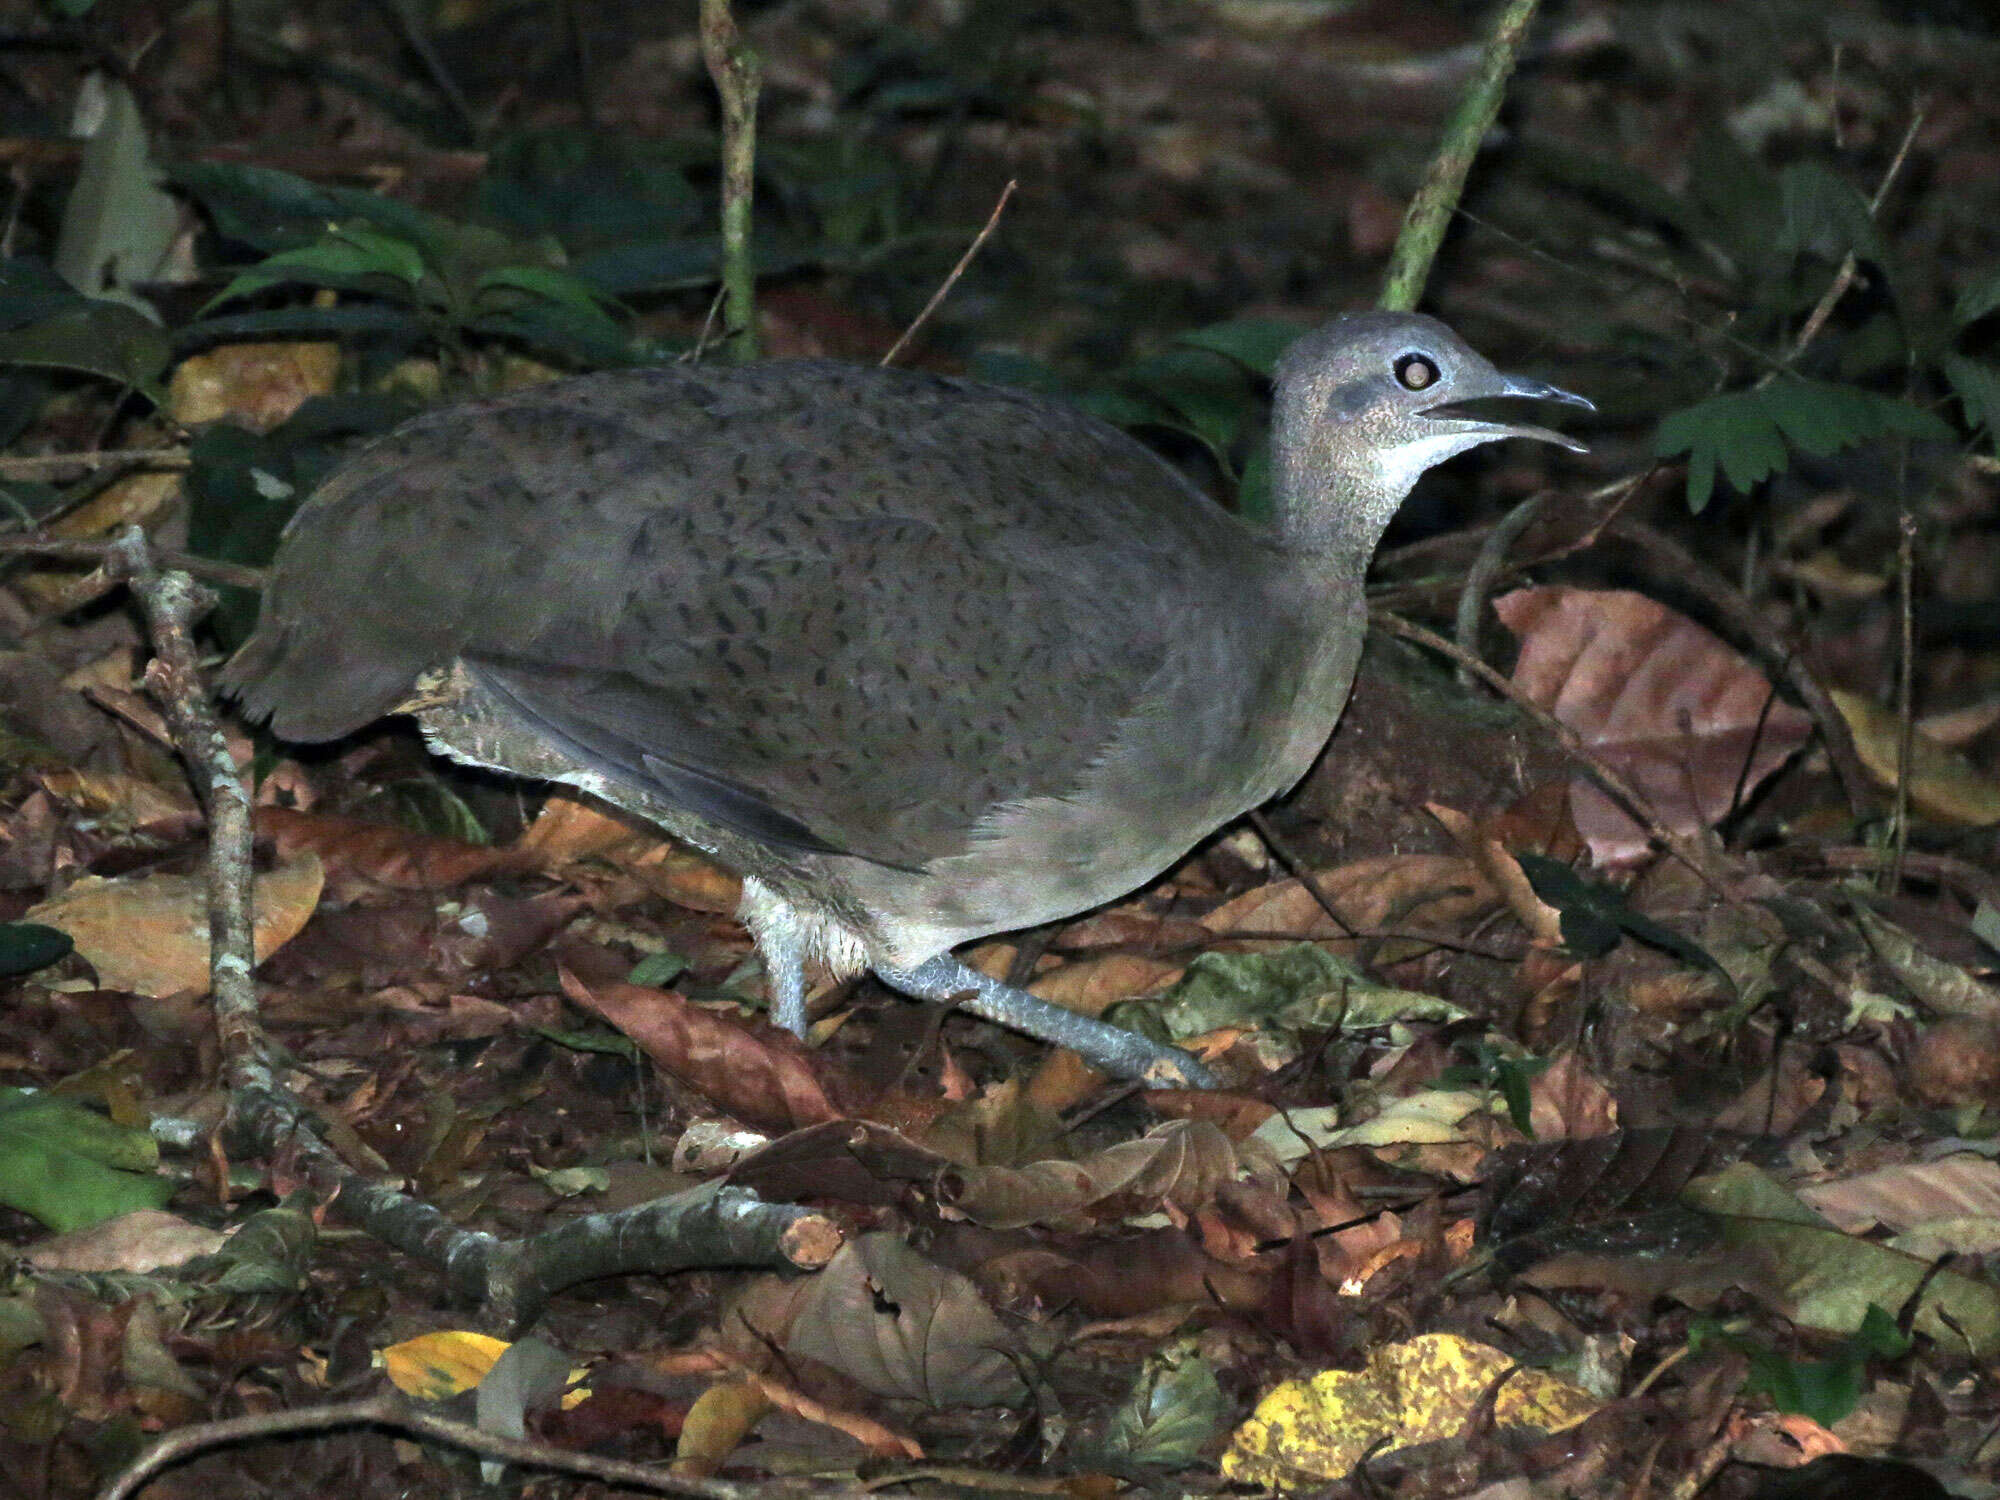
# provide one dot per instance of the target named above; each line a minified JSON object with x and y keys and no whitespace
{"x":877,"y":604}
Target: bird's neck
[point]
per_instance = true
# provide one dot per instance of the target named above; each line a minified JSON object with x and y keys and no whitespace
{"x":1331,"y":494}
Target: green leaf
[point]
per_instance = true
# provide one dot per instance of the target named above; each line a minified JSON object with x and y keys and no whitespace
{"x":1205,"y":393}
{"x":1254,"y":343}
{"x":1174,"y":1407}
{"x":1821,"y":1277}
{"x":28,"y":946}
{"x":352,"y":257}
{"x":270,"y":210}
{"x":1977,"y":300}
{"x":1595,"y":907}
{"x":1977,"y":385}
{"x":588,"y":189}
{"x":569,"y":309}
{"x":30,"y":291}
{"x":299,"y":321}
{"x":1825,"y":214}
{"x":99,"y":338}
{"x":656,"y":970}
{"x":1744,"y":433}
{"x":70,"y":1167}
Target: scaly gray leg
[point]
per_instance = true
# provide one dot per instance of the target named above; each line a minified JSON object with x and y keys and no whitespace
{"x":784,"y":955}
{"x":1111,"y":1048}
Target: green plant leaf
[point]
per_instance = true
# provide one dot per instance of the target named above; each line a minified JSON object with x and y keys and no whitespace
{"x":28,"y":946}
{"x":351,"y":257}
{"x":582,"y":301}
{"x":1977,"y":385}
{"x":97,"y":337}
{"x":1254,"y":343}
{"x":1977,"y":300}
{"x":1595,"y":907}
{"x":70,"y":1167}
{"x":1744,"y":433}
{"x":30,"y":290}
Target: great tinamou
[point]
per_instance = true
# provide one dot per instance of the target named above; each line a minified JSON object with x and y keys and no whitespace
{"x":923,"y":659}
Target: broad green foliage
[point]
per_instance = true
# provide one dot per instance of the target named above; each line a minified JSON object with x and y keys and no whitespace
{"x":1748,"y":435}
{"x":1209,"y":384}
{"x":28,"y":946}
{"x":1769,"y":241}
{"x":70,"y":1167}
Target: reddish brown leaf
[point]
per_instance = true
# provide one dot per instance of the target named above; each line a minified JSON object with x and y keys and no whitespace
{"x":381,"y":852}
{"x":754,"y":1071}
{"x":1673,"y":708}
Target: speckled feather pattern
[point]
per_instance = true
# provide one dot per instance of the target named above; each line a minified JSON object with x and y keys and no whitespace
{"x":928,"y":658}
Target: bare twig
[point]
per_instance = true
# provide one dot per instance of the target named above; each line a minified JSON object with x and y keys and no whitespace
{"x":1850,"y":265}
{"x":1686,"y":850}
{"x":944,"y":290}
{"x":36,"y":465}
{"x":393,"y":1412}
{"x":1431,"y":209}
{"x":1486,"y":567}
{"x":1299,"y":872}
{"x":510,"y":1280}
{"x":738,"y":75}
{"x":98,"y":550}
{"x":1906,"y":722}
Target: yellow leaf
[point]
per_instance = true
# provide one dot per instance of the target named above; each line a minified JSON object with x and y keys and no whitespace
{"x":1307,"y":1433}
{"x":438,"y":1366}
{"x":148,"y":935}
{"x":1943,"y":784}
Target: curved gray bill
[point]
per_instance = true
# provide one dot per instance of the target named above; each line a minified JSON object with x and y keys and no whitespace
{"x":1520,"y":387}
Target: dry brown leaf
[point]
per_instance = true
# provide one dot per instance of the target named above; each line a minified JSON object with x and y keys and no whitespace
{"x":1091,"y":986}
{"x":1503,"y":871}
{"x":149,"y":935}
{"x":133,"y":500}
{"x":1956,"y":1187}
{"x":123,"y":800}
{"x":569,"y":831}
{"x":1685,"y":718}
{"x":903,"y":1326}
{"x":1567,"y":1101}
{"x":146,"y":1239}
{"x":1433,"y":891}
{"x":381,"y":852}
{"x":1943,"y":784}
{"x":753,"y":1070}
{"x":256,"y":385}
{"x":1178,"y":1164}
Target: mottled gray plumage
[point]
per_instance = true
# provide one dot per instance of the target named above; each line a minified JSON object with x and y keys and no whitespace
{"x":924,"y":659}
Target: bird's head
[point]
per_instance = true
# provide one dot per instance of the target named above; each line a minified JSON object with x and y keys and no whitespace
{"x":1365,"y":404}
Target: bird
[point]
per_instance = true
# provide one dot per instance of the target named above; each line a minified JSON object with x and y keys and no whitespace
{"x":923,"y":659}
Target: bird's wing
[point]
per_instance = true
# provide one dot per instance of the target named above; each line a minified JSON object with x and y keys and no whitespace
{"x":826,"y":606}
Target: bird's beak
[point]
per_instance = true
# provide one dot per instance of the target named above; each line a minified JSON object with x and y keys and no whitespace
{"x":1514,"y":387}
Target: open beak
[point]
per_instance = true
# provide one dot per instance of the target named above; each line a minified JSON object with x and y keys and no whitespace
{"x":1514,"y":387}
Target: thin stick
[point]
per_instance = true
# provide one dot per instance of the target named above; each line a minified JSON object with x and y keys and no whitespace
{"x":738,"y":75}
{"x":391,"y":1411}
{"x":1906,"y":724}
{"x":1849,"y":265}
{"x":938,"y":296}
{"x":98,"y":550}
{"x":1685,"y":850}
{"x":1431,"y":209}
{"x":36,"y":466}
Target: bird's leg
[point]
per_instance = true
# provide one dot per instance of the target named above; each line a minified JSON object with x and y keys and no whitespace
{"x":1111,"y":1048}
{"x":783,"y":950}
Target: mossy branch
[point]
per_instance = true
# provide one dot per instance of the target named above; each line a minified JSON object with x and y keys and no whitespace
{"x":1431,"y":209}
{"x":738,"y":75}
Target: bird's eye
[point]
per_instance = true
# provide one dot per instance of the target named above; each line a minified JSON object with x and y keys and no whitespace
{"x":1416,"y":372}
